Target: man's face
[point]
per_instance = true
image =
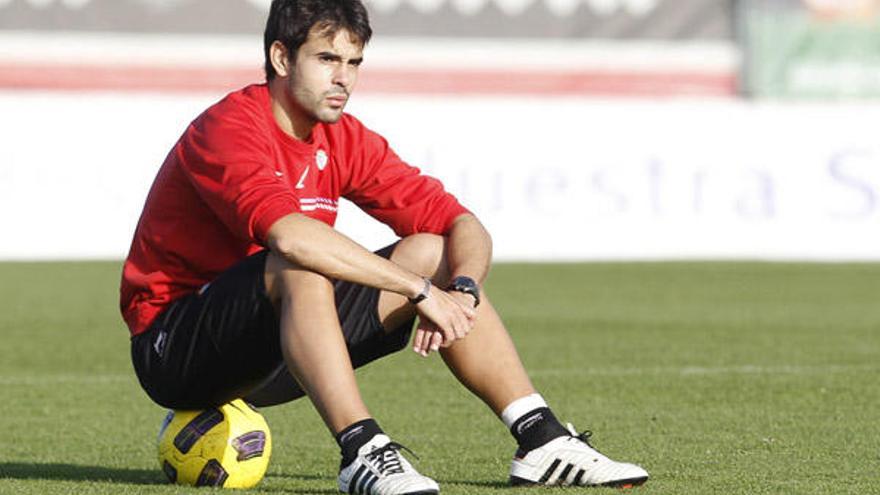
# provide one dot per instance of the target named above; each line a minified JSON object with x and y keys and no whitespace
{"x":324,"y":74}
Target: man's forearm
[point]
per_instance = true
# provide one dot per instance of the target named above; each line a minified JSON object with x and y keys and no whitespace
{"x":469,"y":250}
{"x":316,"y":246}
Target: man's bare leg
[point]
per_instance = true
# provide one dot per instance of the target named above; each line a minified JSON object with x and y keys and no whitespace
{"x":486,"y":361}
{"x":312,"y":342}
{"x":315,"y":352}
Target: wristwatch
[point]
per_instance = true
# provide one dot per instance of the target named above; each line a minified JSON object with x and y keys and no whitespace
{"x":466,"y":285}
{"x":422,"y":295}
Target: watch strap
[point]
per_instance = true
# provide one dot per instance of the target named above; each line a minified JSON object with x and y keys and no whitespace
{"x":422,"y":295}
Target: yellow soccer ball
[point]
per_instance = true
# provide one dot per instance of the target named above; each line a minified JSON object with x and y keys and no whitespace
{"x":228,"y":446}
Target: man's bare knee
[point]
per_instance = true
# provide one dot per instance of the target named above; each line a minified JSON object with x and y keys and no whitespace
{"x":282,"y":276}
{"x":424,"y":254}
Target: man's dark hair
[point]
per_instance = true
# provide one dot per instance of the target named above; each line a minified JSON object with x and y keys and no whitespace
{"x":291,"y":21}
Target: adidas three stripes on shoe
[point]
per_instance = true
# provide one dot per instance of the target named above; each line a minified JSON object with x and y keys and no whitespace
{"x":571,"y":460}
{"x":380,"y":469}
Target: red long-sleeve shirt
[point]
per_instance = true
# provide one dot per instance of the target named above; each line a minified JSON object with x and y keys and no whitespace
{"x":234,"y":172}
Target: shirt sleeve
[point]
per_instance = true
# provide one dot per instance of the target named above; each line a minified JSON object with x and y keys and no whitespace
{"x":229,"y":164}
{"x":395,"y":193}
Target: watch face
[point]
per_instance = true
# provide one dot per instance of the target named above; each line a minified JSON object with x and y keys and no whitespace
{"x":466,"y":285}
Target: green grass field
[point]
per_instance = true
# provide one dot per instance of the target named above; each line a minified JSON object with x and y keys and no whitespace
{"x":729,"y":378}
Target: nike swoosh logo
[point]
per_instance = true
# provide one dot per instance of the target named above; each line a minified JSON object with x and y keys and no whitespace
{"x":301,"y":182}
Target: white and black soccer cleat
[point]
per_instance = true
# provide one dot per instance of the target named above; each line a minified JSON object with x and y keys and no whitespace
{"x":571,"y":460}
{"x":379,"y":469}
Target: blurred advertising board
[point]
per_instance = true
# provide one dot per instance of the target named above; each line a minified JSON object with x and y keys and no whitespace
{"x":599,"y":47}
{"x":812,"y":48}
{"x":621,"y":19}
{"x":553,"y":178}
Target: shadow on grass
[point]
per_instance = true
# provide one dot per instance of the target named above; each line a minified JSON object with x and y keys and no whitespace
{"x":72,"y":472}
{"x":302,"y":477}
{"x":329,"y":480}
{"x":497,"y":485}
{"x":312,"y":477}
{"x":298,"y":491}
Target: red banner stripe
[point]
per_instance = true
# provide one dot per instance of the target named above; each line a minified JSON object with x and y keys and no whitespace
{"x":375,"y":80}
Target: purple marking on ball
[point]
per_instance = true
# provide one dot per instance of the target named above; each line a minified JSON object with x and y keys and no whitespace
{"x":250,"y":445}
{"x":169,"y":471}
{"x":195,"y":429}
{"x":212,"y":474}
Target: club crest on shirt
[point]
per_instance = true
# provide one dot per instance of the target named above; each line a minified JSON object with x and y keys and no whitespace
{"x":321,"y":159}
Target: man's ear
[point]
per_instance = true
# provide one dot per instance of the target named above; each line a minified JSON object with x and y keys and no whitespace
{"x":281,"y":62}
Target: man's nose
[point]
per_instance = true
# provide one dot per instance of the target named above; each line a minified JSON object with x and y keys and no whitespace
{"x":344,"y":75}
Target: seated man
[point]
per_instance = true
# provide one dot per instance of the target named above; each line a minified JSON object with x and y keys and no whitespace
{"x":237,"y":285}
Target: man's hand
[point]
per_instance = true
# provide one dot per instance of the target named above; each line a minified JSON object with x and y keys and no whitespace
{"x":443,"y":318}
{"x":463,"y":298}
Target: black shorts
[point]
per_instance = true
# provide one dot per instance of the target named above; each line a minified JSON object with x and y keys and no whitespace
{"x":223,"y":342}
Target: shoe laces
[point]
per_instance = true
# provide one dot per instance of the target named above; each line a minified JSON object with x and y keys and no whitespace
{"x":583,"y":436}
{"x":386,"y":459}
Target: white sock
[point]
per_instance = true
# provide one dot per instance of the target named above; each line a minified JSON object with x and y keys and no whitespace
{"x":521,"y":406}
